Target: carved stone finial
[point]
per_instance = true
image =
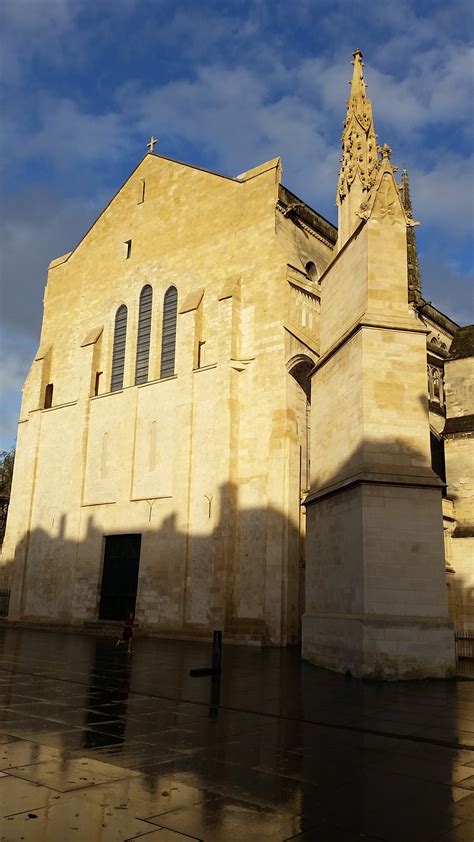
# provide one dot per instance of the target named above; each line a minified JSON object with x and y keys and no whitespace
{"x":359,"y":141}
{"x":152,"y":143}
{"x":385,"y":151}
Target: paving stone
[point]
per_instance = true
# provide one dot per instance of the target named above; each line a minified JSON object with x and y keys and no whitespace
{"x":162,"y":834}
{"x":70,"y":820}
{"x":17,"y":796}
{"x":287,"y":756}
{"x":144,"y":796}
{"x":223,"y":818}
{"x":23,"y":753}
{"x":70,"y":773}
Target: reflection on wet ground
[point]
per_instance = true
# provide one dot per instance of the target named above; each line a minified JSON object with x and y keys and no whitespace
{"x":98,"y":745}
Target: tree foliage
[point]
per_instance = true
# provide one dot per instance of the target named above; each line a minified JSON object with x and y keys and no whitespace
{"x":7,"y":459}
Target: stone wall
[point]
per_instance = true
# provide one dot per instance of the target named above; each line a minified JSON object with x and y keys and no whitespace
{"x":459,"y":456}
{"x":205,"y":464}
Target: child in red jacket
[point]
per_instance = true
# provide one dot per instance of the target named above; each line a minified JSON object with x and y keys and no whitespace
{"x":127,"y":632}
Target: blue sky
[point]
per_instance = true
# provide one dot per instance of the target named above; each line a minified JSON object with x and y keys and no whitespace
{"x":226,"y":86}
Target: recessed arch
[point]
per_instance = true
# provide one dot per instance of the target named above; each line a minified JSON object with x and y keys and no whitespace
{"x":300,"y":368}
{"x":312,"y":271}
{"x":437,"y":455}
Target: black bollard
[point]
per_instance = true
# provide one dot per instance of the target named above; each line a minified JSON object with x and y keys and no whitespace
{"x":217,"y":651}
{"x":216,"y":661}
{"x":215,"y":695}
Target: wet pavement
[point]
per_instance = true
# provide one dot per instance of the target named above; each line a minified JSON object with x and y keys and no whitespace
{"x":96,"y":744}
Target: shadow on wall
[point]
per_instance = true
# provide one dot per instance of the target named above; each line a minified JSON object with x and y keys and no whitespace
{"x":241,"y":574}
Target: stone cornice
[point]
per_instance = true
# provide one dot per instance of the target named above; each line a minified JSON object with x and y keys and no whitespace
{"x":295,"y":215}
{"x":423,"y":480}
{"x":302,"y":337}
{"x":305,"y":286}
{"x":378,"y":323}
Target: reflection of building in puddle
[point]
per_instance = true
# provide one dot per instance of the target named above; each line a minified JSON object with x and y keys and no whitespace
{"x":110,"y":685}
{"x":215,"y":696}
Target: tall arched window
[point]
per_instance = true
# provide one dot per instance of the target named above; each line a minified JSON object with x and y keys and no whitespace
{"x":168,"y":339}
{"x":118,"y":356}
{"x":144,"y":335}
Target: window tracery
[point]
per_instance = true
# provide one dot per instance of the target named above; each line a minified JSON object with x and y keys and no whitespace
{"x":435,"y":385}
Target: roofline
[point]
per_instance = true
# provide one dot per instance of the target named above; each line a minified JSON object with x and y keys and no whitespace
{"x":432,"y":312}
{"x":193,"y":167}
{"x":319,"y":216}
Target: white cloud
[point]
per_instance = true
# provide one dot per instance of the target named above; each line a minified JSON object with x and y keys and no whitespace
{"x":74,"y":138}
{"x":444,"y":195}
{"x":435,"y":89}
{"x":448,"y":287}
{"x":37,"y":15}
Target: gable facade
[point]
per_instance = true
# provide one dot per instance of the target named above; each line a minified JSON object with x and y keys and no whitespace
{"x":169,"y":339}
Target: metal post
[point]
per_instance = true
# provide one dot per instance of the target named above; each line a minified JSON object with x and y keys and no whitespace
{"x":217,"y":651}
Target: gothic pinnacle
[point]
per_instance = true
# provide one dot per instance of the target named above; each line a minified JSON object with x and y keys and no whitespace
{"x":357,"y":84}
{"x":359,"y":141}
{"x":413,"y":268}
{"x":405,"y":193}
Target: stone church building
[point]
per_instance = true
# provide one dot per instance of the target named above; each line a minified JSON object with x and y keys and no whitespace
{"x":240,"y":417}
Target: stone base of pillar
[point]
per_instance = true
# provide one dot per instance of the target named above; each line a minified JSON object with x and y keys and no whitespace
{"x":380,"y":647}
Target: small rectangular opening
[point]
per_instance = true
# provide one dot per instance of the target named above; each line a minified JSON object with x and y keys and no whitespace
{"x":48,"y":396}
{"x":128,"y":248}
{"x":141,"y":191}
{"x":200,"y":353}
{"x":98,"y":376}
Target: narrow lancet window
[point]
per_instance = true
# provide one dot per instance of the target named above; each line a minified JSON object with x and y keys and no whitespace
{"x":118,"y":356}
{"x":168,"y":339}
{"x":48,"y":396}
{"x":144,"y":335}
{"x":97,"y":383}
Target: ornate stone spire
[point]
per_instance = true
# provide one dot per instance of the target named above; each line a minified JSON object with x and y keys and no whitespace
{"x":359,"y":160}
{"x":414,"y":279}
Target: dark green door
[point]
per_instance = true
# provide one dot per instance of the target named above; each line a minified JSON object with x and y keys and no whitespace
{"x":119,"y":576}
